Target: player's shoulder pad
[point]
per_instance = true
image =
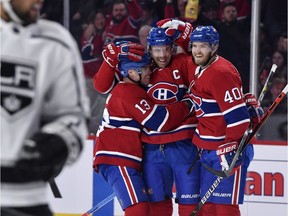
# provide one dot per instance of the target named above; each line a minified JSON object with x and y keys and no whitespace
{"x":54,"y":31}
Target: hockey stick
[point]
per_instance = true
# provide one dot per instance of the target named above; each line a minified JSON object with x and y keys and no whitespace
{"x":248,"y":135}
{"x":248,"y":139}
{"x":55,"y":189}
{"x":267,"y":83}
{"x":99,"y":205}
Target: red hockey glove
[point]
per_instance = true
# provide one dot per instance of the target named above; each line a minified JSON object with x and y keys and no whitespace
{"x":226,"y":153}
{"x":188,"y":99}
{"x":42,"y":157}
{"x":177,"y":29}
{"x":113,"y":53}
{"x":255,"y":110}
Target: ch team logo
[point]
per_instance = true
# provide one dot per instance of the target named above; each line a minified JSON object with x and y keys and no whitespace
{"x":18,"y":84}
{"x":164,"y":93}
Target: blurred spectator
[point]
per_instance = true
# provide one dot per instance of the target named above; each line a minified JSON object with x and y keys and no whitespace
{"x":150,"y":16}
{"x":124,"y":24}
{"x":143,"y":33}
{"x":275,"y":89}
{"x":91,"y":51}
{"x":235,"y":42}
{"x":208,"y":13}
{"x":282,"y":42}
{"x":243,"y":7}
{"x":280,"y":59}
{"x":92,"y":43}
{"x":178,"y":12}
{"x":210,"y":9}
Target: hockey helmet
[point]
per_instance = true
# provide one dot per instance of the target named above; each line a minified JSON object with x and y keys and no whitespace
{"x":205,"y":34}
{"x":127,"y":64}
{"x":157,"y":37}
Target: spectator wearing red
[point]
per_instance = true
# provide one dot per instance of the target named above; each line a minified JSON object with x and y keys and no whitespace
{"x":124,"y":23}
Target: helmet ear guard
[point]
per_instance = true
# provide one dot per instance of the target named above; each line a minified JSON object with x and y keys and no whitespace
{"x":125,"y":65}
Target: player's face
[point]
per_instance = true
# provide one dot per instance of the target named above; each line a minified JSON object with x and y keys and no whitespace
{"x":201,"y":52}
{"x":145,"y":75}
{"x":161,"y":55}
{"x":27,"y":10}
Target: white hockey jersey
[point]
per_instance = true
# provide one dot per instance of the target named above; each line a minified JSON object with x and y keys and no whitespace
{"x":42,"y":86}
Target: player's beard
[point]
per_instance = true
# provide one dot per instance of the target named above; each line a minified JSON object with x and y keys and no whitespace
{"x":28,"y":17}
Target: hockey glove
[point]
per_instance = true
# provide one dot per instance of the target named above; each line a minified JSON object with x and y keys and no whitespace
{"x":187,"y":98}
{"x":255,"y":110}
{"x":226,"y":153}
{"x":177,"y":29}
{"x":42,"y":157}
{"x":114,"y":53}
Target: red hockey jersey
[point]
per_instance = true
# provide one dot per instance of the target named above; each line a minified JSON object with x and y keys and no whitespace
{"x":220,"y":108}
{"x":128,"y":109}
{"x":168,"y":85}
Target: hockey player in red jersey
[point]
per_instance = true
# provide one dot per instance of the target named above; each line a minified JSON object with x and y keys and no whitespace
{"x":168,"y":156}
{"x":223,"y":118}
{"x":172,"y":151}
{"x":119,"y":150}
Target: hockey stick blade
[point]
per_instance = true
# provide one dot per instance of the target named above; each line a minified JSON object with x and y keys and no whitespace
{"x":99,"y":205}
{"x":248,"y":135}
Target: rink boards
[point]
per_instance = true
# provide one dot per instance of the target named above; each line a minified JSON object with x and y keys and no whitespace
{"x":266,"y":185}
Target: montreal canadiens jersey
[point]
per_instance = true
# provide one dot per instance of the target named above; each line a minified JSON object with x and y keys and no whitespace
{"x":42,"y":86}
{"x":220,"y":108}
{"x":128,"y":109}
{"x":169,"y":85}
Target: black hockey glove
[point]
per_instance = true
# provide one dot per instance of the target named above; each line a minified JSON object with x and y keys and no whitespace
{"x":42,"y":157}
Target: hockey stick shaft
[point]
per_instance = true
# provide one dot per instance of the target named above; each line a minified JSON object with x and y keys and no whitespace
{"x":206,"y":196}
{"x":247,"y":140}
{"x":267,"y":83}
{"x":269,"y":112}
{"x":55,"y":189}
{"x":99,"y":205}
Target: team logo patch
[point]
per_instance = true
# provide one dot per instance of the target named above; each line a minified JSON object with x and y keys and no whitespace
{"x":163,"y":93}
{"x":18,"y":83}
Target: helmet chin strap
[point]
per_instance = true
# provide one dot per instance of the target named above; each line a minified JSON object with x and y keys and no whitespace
{"x":137,"y":82}
{"x":9,"y":10}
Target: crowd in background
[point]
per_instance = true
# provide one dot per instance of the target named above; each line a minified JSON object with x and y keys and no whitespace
{"x":92,"y":23}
